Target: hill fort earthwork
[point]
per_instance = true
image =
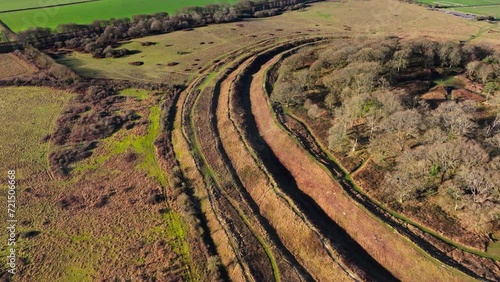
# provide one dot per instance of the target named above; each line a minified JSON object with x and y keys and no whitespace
{"x":250,"y":141}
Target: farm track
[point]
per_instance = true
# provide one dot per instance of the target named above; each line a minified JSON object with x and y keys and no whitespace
{"x":246,"y":182}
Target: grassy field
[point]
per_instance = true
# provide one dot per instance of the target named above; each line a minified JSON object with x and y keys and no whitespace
{"x":85,"y":13}
{"x":11,"y":66}
{"x":404,"y":19}
{"x":481,"y":10}
{"x":190,"y":49}
{"x":28,"y":4}
{"x":107,"y":229}
{"x":478,"y":7}
{"x":28,"y":114}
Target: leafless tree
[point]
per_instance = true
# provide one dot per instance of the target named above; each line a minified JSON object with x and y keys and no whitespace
{"x":455,"y":156}
{"x":450,"y":54}
{"x":390,"y":101}
{"x":313,"y":111}
{"x":472,"y":68}
{"x":480,"y":184}
{"x":493,"y":126}
{"x":287,"y":93}
{"x":485,"y":72}
{"x":409,"y":176}
{"x":454,"y":119}
{"x":400,"y":59}
{"x":403,"y":125}
{"x":338,"y":140}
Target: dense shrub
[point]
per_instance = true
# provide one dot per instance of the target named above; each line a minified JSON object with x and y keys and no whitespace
{"x":61,"y":160}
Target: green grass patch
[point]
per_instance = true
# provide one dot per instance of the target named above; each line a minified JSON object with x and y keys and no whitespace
{"x":494,"y":248}
{"x":208,"y":81}
{"x":76,"y":266}
{"x":325,"y":16}
{"x":458,"y":3}
{"x":137,"y":93}
{"x":80,"y":238}
{"x":478,"y":7}
{"x":177,"y":233}
{"x":27,"y":4}
{"x":481,"y":10}
{"x":145,"y":146}
{"x":142,"y":145}
{"x":78,"y":274}
{"x":448,"y":81}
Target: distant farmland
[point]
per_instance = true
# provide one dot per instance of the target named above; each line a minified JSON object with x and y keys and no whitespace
{"x":478,"y":7}
{"x":26,"y":4}
{"x":34,"y":13}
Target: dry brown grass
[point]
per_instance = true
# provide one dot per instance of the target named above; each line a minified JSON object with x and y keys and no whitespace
{"x":188,"y":166}
{"x":256,"y":251}
{"x":295,"y":234}
{"x":364,"y":18}
{"x":394,"y":252}
{"x":99,"y":224}
{"x":11,"y":66}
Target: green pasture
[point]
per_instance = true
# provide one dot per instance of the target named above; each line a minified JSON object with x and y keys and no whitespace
{"x":6,"y":5}
{"x":85,"y":13}
{"x":477,"y":7}
{"x":28,"y":114}
{"x":459,"y":3}
{"x":481,"y":10}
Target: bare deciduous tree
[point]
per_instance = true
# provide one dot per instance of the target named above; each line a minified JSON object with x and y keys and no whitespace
{"x":403,"y":125}
{"x":454,"y":119}
{"x":493,"y":126}
{"x":400,"y":59}
{"x":409,"y":176}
